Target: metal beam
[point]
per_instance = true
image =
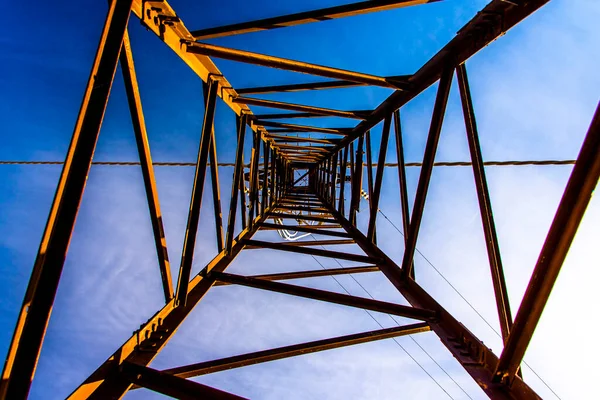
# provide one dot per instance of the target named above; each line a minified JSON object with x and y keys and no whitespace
{"x":265,"y":183}
{"x":302,"y":115}
{"x":374,"y":201}
{"x":279,"y":353}
{"x":311,"y":274}
{"x":191,"y":231}
{"x":575,"y":199}
{"x":171,"y":385}
{"x":306,"y":243}
{"x":237,"y":177}
{"x":300,"y":87}
{"x":315,"y":230}
{"x":289,"y":65}
{"x":214,"y":179}
{"x":307,"y":250}
{"x":357,"y":178}
{"x":34,"y":315}
{"x":343,"y":167}
{"x":303,"y":128}
{"x":485,"y":206}
{"x":402,"y":185}
{"x":331,"y":297}
{"x":292,"y":139}
{"x":433,"y":138}
{"x":323,"y":14}
{"x":327,"y":112}
{"x":141,"y":137}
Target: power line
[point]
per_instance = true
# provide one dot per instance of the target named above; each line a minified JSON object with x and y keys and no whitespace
{"x":469,"y":303}
{"x":227,"y":164}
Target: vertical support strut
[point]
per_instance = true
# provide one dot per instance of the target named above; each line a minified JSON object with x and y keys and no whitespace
{"x":254,"y":178}
{"x":238,"y":173}
{"x":357,"y":181}
{"x":334,"y":178}
{"x":265,"y":191}
{"x":433,"y":138}
{"x":141,"y":138}
{"x":402,"y":182}
{"x":189,"y":243}
{"x":485,"y":206}
{"x":575,"y":199}
{"x":37,"y":305}
{"x":214,"y":179}
{"x":343,"y":171}
{"x":374,"y":201}
{"x":369,"y":163}
{"x":272,"y":189}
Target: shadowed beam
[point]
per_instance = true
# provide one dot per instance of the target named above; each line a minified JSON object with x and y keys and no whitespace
{"x":300,"y":87}
{"x":299,"y":148}
{"x":171,"y":385}
{"x":331,"y":297}
{"x":323,"y":14}
{"x":307,"y":243}
{"x":311,"y":274}
{"x":284,"y":138}
{"x":374,"y":200}
{"x":301,"y":216}
{"x":257,"y":357}
{"x":433,"y":138}
{"x":326,"y":112}
{"x":303,"y":128}
{"x":307,"y":250}
{"x":315,"y":229}
{"x":302,"y":114}
{"x":214,"y":178}
{"x":575,"y":199}
{"x":289,"y":65}
{"x":485,"y":206}
{"x":143,"y":146}
{"x":191,"y":232}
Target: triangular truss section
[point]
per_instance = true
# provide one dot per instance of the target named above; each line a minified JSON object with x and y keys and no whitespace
{"x":269,"y":195}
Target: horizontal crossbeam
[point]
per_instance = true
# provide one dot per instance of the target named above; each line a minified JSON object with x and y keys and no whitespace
{"x":171,"y":385}
{"x":289,"y":65}
{"x":311,"y":274}
{"x":257,"y":357}
{"x":299,"y":87}
{"x":323,"y":14}
{"x":327,"y":112}
{"x":301,"y":115}
{"x":307,"y":243}
{"x":292,"y":139}
{"x":301,"y":216}
{"x":314,"y":229}
{"x":310,"y":251}
{"x":331,"y":297}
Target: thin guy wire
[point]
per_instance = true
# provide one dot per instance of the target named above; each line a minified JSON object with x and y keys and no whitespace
{"x":398,"y":324}
{"x":470,"y":305}
{"x":394,"y":339}
{"x":410,"y":164}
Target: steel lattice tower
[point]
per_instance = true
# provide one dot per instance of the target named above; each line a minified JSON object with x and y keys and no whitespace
{"x":275,"y":193}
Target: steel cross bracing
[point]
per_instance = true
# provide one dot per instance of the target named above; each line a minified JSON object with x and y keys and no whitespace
{"x":270,"y":194}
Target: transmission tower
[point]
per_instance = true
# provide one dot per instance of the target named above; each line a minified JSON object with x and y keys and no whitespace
{"x":296,"y":183}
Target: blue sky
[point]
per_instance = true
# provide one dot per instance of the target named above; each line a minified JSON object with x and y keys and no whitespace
{"x":534,"y":91}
